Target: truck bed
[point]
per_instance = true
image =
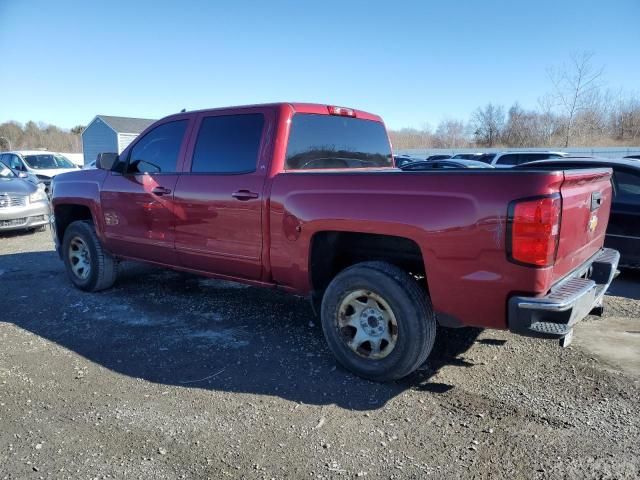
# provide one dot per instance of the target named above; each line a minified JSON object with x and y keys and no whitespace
{"x":458,"y":219}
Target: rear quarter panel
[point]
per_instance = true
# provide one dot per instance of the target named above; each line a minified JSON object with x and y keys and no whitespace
{"x":456,"y":218}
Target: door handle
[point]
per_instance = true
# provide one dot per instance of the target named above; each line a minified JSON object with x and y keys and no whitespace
{"x":244,"y":195}
{"x":161,"y":191}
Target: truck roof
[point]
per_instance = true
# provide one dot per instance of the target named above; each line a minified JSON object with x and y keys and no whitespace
{"x":298,"y":107}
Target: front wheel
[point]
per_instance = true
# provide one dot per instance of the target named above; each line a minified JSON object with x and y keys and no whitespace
{"x":377,"y":320}
{"x":89,"y":266}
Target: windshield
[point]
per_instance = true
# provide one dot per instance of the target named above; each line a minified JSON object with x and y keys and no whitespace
{"x":6,"y":172}
{"x":48,"y":160}
{"x":329,"y":141}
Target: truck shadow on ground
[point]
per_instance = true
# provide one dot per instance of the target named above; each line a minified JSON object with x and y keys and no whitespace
{"x":178,"y":329}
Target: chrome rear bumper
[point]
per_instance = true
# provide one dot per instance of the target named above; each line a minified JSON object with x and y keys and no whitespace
{"x":555,"y":314}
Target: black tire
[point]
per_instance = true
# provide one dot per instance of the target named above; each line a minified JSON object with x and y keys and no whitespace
{"x":103,"y":267}
{"x":411,"y":308}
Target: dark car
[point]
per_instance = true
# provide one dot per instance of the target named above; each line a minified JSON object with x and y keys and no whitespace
{"x":401,"y":160}
{"x":431,"y":158}
{"x":623,"y":232}
{"x":486,"y":158}
{"x":440,"y":164}
{"x":633,"y":157}
{"x":467,"y":156}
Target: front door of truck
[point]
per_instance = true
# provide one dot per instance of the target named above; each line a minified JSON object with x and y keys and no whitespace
{"x":138,"y":202}
{"x":219,"y":198}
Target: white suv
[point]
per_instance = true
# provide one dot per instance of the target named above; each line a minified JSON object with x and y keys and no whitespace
{"x":43,"y":164}
{"x":511,"y":159}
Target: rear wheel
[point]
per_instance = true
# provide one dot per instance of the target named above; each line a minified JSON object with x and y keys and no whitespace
{"x":377,"y":320}
{"x":88,"y":265}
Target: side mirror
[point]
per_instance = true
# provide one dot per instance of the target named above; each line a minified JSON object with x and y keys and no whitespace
{"x":106,"y":161}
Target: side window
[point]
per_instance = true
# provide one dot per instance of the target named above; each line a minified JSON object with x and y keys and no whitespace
{"x":157,"y":151}
{"x":627,"y":187}
{"x":14,"y":162}
{"x":508,"y":159}
{"x":228,"y":144}
{"x":539,"y":156}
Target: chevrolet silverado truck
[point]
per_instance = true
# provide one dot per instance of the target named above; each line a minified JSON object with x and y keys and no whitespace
{"x":306,"y":198}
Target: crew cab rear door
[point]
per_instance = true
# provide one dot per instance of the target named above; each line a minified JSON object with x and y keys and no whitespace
{"x":220,"y":195}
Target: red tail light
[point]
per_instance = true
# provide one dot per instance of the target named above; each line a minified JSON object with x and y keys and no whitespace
{"x":533,"y":230}
{"x":341,"y":111}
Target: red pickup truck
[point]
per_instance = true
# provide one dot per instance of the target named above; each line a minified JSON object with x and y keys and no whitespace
{"x":305,"y":198}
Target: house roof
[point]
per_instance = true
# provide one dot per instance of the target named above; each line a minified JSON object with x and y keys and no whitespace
{"x":126,"y":124}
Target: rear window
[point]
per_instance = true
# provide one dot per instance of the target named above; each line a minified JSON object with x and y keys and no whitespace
{"x":328,"y":141}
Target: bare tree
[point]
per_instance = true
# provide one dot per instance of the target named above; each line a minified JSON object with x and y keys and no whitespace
{"x":5,"y":144}
{"x":33,"y":135}
{"x":624,"y":122}
{"x":575,"y":87}
{"x":450,"y":134}
{"x":411,"y":138}
{"x":487,"y":124}
{"x":524,"y":128}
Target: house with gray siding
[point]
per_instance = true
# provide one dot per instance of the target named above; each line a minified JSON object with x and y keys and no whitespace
{"x":106,"y":133}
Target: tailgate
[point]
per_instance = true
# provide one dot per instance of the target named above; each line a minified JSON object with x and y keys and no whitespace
{"x":586,"y":202}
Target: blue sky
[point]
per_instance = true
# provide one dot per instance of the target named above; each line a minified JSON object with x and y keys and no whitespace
{"x":412,"y":62}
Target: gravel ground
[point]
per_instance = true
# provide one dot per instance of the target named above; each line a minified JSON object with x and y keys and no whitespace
{"x":171,"y":376}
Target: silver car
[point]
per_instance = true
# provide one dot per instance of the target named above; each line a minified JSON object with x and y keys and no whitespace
{"x":23,"y":205}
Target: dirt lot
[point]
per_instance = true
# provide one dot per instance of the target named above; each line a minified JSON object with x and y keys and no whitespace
{"x":172,"y":376}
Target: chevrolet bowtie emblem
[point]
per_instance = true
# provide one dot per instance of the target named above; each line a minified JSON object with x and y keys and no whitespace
{"x":593,"y":223}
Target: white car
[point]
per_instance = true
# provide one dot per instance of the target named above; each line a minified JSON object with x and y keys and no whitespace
{"x":43,"y":164}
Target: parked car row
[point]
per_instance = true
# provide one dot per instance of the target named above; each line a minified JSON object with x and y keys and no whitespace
{"x":498,"y":160}
{"x":448,"y":163}
{"x":23,"y":204}
{"x":40,"y":164}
